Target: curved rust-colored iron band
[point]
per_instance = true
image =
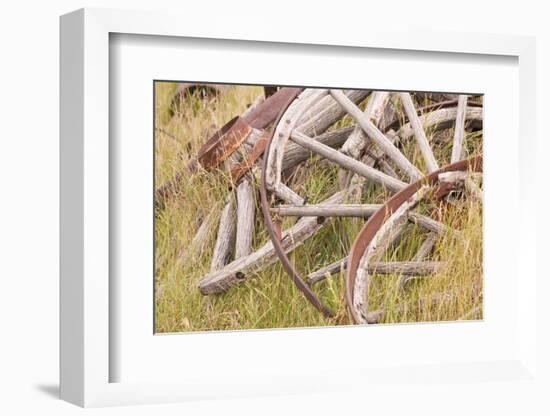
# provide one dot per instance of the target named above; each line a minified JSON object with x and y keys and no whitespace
{"x":274,"y":230}
{"x":265,"y":113}
{"x":374,"y":223}
{"x":239,"y":170}
{"x":224,"y":142}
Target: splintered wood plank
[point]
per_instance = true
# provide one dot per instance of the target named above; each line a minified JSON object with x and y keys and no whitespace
{"x":226,"y":236}
{"x":348,"y":162}
{"x":419,"y":133}
{"x":245,"y":218}
{"x":377,"y":136}
{"x":458,"y":138}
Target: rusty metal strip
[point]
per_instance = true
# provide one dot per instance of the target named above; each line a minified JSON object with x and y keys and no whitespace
{"x":275,"y":231}
{"x":374,"y":223}
{"x":248,"y":161}
{"x":224,"y":142}
{"x":265,"y":113}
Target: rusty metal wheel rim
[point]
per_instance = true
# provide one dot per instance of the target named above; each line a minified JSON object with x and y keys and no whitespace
{"x":375,"y":222}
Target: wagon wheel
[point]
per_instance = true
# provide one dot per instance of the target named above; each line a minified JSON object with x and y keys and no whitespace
{"x":372,"y":152}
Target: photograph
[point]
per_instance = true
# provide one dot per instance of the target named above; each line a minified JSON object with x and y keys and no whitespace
{"x":312,"y":206}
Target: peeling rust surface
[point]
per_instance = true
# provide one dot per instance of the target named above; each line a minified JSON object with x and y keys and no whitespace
{"x":224,"y":142}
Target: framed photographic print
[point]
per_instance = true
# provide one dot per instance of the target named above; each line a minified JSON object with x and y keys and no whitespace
{"x":330,"y":222}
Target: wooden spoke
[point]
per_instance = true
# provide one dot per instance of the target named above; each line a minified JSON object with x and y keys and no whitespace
{"x":419,"y":133}
{"x":348,"y":162}
{"x":456,"y":154}
{"x":377,"y":136}
{"x":360,"y":211}
{"x":439,"y":119}
{"x":357,"y":140}
{"x":423,"y":252}
{"x":405,"y":268}
{"x":295,"y":154}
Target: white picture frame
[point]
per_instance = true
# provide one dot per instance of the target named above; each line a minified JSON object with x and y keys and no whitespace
{"x":86,"y":356}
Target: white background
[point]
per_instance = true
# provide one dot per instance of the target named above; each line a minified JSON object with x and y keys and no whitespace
{"x":29,"y":208}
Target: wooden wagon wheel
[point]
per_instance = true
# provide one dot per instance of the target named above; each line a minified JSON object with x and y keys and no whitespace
{"x":372,"y":154}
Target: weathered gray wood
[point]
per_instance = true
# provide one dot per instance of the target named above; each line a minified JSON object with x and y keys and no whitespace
{"x":319,"y":117}
{"x":377,"y":136}
{"x":439,"y":119}
{"x":238,"y":270}
{"x":324,"y":272}
{"x":423,"y":252}
{"x":295,"y":154}
{"x":396,"y":220}
{"x":360,"y":211}
{"x":226,"y":236}
{"x":327,"y":210}
{"x":287,"y":194}
{"x":455,"y":179}
{"x":282,"y":133}
{"x":390,"y":239}
{"x":458,"y":138}
{"x":431,"y":224}
{"x":245,"y":218}
{"x":347,"y":162}
{"x":406,"y":268}
{"x":357,"y":140}
{"x":419,"y":133}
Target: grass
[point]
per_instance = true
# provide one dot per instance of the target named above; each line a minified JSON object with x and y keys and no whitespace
{"x":268,"y":299}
